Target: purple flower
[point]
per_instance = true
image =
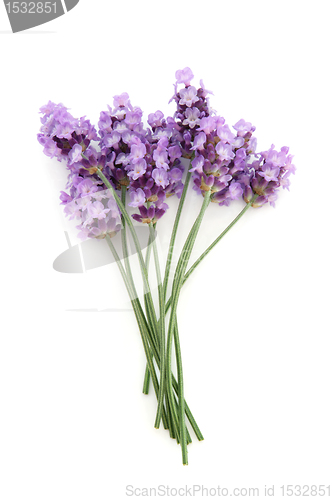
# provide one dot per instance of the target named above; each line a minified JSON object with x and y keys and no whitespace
{"x":174,"y":152}
{"x":104,"y":121}
{"x":160,"y":177}
{"x":235,"y":190}
{"x":75,"y":154}
{"x":275,"y":158}
{"x":208,"y":124}
{"x":138,"y":151}
{"x":133,"y":118}
{"x":197,"y":164}
{"x":139,"y":169}
{"x":243,"y":127}
{"x":121,"y":100}
{"x":269,"y":172}
{"x":97,"y":210}
{"x":192,"y":117}
{"x":120,"y":127}
{"x":289,"y":166}
{"x":225,"y":133}
{"x":51,"y":149}
{"x":110,"y":140}
{"x":184,"y":76}
{"x":199,"y":141}
{"x":86,"y":187}
{"x":224,"y":151}
{"x":150,"y":215}
{"x":65,"y":198}
{"x":161,"y":159}
{"x":138,"y":198}
{"x":175,"y":174}
{"x":155,"y":119}
{"x":188,"y":96}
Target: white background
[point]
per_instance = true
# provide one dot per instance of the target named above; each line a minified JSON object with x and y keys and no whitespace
{"x":255,"y":319}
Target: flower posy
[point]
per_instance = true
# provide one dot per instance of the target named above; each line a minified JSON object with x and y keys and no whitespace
{"x":125,"y":165}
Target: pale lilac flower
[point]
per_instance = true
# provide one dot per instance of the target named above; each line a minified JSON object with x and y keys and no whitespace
{"x":161,"y":159}
{"x":224,"y":151}
{"x":205,"y":91}
{"x":138,"y":151}
{"x":270,"y":172}
{"x":64,"y":197}
{"x":138,"y":170}
{"x":199,"y":141}
{"x":272,"y":197}
{"x":65,"y":130}
{"x":120,"y":127}
{"x":289,"y":166}
{"x":160,"y":177}
{"x":72,"y":210}
{"x":121,"y":100}
{"x":235,"y":190}
{"x":175,"y":174}
{"x":133,"y":118}
{"x":102,"y":194}
{"x":122,"y":159}
{"x":243,"y":127}
{"x":110,"y":140}
{"x":208,"y":124}
{"x":84,"y":202}
{"x":163,"y":143}
{"x":184,"y":76}
{"x":51,"y":149}
{"x":138,"y":198}
{"x":237,"y":142}
{"x":197,"y":164}
{"x":174,"y":152}
{"x":225,"y":133}
{"x":188,"y":96}
{"x":277,"y":159}
{"x":104,"y":121}
{"x":155,"y":119}
{"x":162,"y":132}
{"x":75,"y":154}
{"x":129,"y":138}
{"x":192,"y":117}
{"x":97,"y":210}
{"x":252,"y":145}
{"x":86,"y":187}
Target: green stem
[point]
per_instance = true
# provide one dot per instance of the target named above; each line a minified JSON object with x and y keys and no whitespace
{"x":139,"y":319}
{"x":140,"y":316}
{"x":129,"y":222}
{"x":206,"y":252}
{"x":161,"y":330}
{"x":174,"y":232}
{"x":177,"y":283}
{"x":145,"y":389}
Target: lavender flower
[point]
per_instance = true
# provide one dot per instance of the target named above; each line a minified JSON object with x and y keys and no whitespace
{"x":267,"y":174}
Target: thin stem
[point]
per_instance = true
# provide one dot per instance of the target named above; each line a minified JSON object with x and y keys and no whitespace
{"x":206,"y":252}
{"x":215,"y":242}
{"x":174,"y":232}
{"x":129,"y":222}
{"x":161,"y":329}
{"x":177,"y":283}
{"x":138,"y":318}
{"x":143,"y":326}
{"x":145,"y":388}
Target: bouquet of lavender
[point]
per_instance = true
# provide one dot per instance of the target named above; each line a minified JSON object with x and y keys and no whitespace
{"x":126,"y":163}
